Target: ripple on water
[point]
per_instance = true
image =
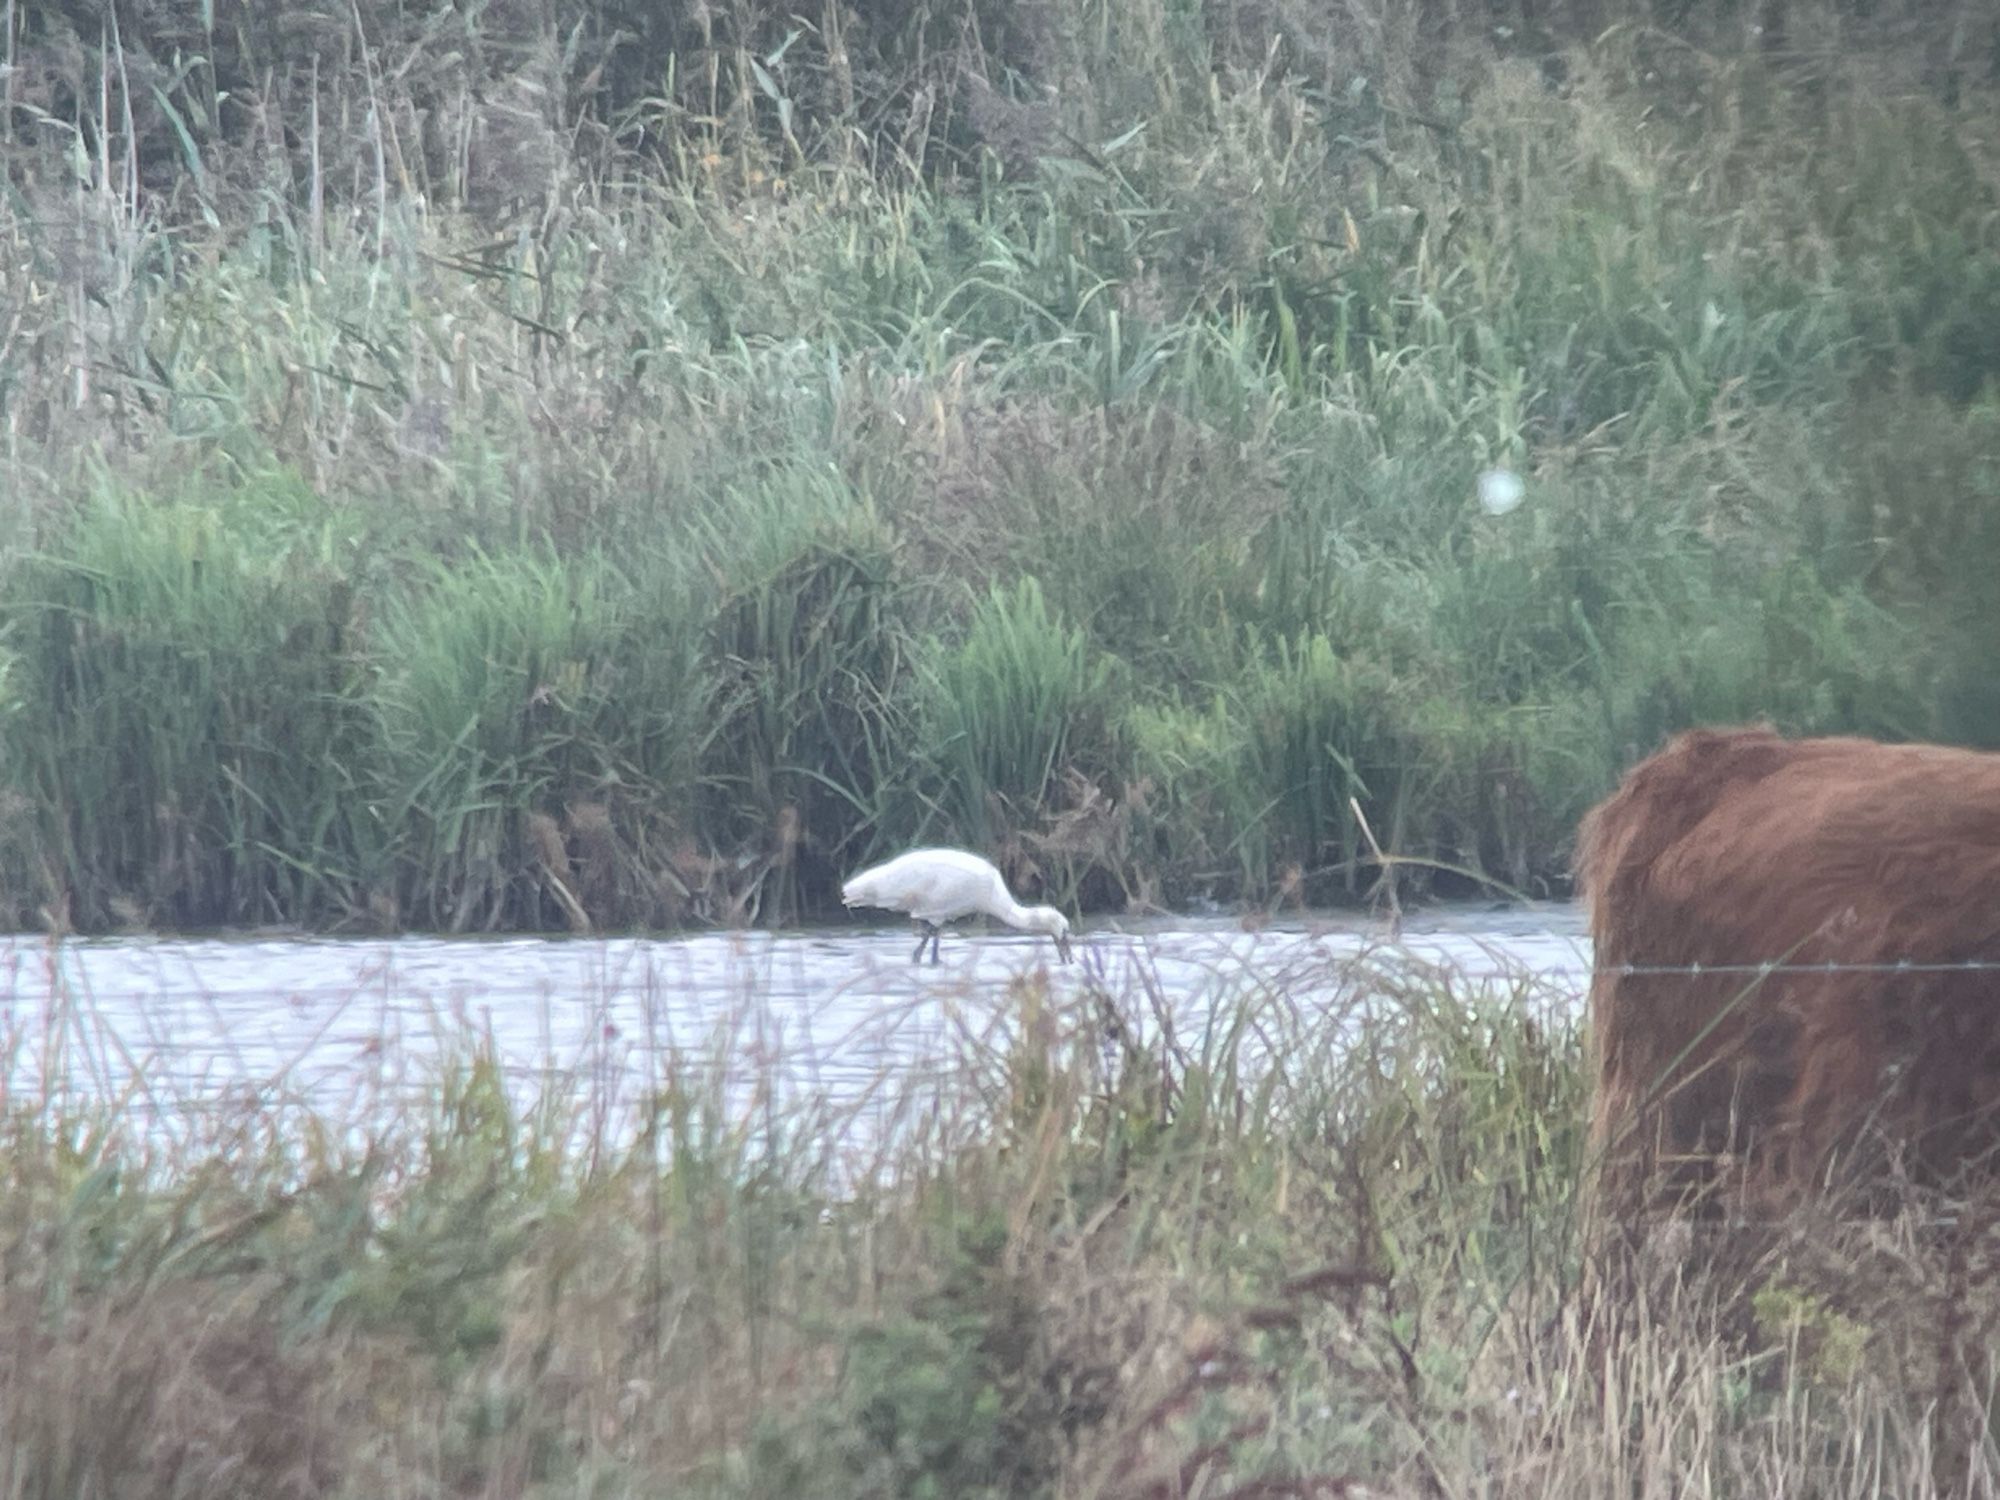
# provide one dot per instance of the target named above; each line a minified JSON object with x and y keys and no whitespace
{"x":837,"y":1017}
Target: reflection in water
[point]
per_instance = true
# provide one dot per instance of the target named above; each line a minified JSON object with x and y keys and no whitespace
{"x":839,"y":1018}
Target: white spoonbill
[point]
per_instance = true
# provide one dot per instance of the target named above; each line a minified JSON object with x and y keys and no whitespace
{"x":936,"y":885}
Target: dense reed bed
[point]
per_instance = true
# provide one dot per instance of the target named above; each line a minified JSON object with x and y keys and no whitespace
{"x":552,"y":464}
{"x":1257,"y":1257}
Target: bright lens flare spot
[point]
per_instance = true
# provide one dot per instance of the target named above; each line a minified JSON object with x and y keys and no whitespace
{"x":1500,"y":490}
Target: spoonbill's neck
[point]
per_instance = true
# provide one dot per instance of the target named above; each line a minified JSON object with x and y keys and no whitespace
{"x":1014,"y":914}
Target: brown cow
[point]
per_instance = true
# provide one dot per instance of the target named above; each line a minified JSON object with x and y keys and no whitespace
{"x":1738,"y":848}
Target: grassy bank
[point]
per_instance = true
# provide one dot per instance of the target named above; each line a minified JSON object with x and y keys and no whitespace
{"x":1125,"y":1270}
{"x":524,"y":466}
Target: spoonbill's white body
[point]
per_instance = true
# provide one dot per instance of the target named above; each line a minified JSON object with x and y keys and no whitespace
{"x":937,"y":885}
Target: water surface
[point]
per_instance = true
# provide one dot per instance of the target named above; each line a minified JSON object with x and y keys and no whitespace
{"x":837,"y":1015}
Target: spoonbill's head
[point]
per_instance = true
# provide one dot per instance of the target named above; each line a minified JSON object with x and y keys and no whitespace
{"x":1054,"y":923}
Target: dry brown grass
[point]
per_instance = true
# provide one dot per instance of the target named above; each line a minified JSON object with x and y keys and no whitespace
{"x":1251,"y":1262}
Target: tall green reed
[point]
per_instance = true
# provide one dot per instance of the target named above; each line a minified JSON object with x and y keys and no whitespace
{"x":811,"y":654}
{"x":189,"y":733}
{"x":1205,"y":328}
{"x":532,"y":709}
{"x":1021,"y":699}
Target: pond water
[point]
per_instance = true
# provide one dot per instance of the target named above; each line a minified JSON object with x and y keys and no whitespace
{"x":836,"y":1017}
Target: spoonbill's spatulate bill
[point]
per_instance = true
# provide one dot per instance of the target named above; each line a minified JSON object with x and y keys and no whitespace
{"x":937,"y":885}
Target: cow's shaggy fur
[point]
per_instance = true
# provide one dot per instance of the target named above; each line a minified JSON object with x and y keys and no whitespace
{"x":1737,"y":847}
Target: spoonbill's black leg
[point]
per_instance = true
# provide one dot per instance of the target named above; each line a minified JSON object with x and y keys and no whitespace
{"x":937,"y":936}
{"x":924,"y":931}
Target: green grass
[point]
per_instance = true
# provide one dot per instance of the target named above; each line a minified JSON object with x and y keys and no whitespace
{"x":185,"y":720}
{"x":1261,"y":1259}
{"x":1022,"y":698}
{"x":811,"y":652}
{"x":611,"y":449}
{"x":513,"y":691}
